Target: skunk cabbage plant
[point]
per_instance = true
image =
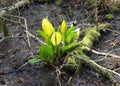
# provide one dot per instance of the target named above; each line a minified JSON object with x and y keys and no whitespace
{"x":58,"y":41}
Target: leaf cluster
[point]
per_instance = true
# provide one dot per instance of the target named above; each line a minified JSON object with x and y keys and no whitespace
{"x":58,"y":42}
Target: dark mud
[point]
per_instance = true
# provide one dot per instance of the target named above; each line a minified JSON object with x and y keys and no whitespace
{"x":15,"y":52}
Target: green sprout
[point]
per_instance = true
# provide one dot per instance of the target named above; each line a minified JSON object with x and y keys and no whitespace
{"x":57,"y":42}
{"x":109,"y":16}
{"x":3,"y":28}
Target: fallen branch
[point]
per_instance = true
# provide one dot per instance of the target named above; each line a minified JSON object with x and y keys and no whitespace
{"x":15,"y":6}
{"x":105,"y":72}
{"x":91,"y":35}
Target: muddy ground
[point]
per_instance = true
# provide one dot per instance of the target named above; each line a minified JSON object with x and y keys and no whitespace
{"x":15,"y":52}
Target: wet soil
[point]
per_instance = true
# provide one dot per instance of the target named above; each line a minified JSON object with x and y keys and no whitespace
{"x":14,"y":52}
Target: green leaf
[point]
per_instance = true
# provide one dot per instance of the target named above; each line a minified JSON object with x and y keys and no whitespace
{"x":114,"y":7}
{"x":47,"y":53}
{"x":69,"y":47}
{"x":70,"y":34}
{"x":59,"y":27}
{"x":71,"y":29}
{"x":70,"y":37}
{"x":109,"y":16}
{"x":44,"y":35}
{"x":34,"y":60}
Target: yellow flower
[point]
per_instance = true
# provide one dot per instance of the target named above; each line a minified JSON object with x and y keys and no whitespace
{"x":63,"y":27}
{"x":47,"y":27}
{"x":56,"y":38}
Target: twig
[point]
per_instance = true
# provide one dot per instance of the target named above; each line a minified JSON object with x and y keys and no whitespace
{"x":10,"y":37}
{"x":9,"y":20}
{"x":31,"y":35}
{"x":112,"y":51}
{"x":114,"y":31}
{"x":3,"y":8}
{"x":69,"y":80}
{"x":22,"y":66}
{"x":117,"y":69}
{"x":16,"y":6}
{"x":20,"y":79}
{"x":58,"y":76}
{"x":96,"y":17}
{"x":26,"y":27}
{"x":104,"y":54}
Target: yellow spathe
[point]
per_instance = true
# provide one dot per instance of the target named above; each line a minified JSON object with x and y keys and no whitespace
{"x":63,"y":27}
{"x":47,"y":27}
{"x":56,"y":38}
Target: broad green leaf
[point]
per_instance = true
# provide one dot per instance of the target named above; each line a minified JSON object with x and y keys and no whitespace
{"x":70,"y":35}
{"x":34,"y":60}
{"x":44,"y":35}
{"x":71,"y":29}
{"x":69,"y":47}
{"x":69,"y":38}
{"x":46,"y":53}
